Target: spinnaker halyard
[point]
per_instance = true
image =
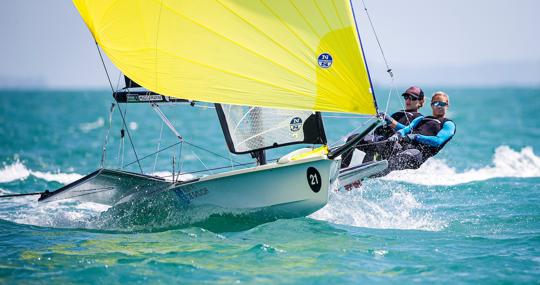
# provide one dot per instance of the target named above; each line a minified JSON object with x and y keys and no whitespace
{"x":269,"y":66}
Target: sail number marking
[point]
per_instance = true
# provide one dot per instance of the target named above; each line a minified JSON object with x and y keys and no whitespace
{"x":314,"y":179}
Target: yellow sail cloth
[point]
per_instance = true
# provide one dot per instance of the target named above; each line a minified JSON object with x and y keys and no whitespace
{"x":295,"y":54}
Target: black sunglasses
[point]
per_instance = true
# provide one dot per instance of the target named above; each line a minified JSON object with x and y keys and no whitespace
{"x":410,"y":97}
{"x":439,"y":104}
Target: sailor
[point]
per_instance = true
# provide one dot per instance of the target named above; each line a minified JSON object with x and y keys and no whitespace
{"x":424,"y":137}
{"x":414,"y":100}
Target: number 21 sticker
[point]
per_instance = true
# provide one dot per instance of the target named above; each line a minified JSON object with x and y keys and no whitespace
{"x":314,"y":179}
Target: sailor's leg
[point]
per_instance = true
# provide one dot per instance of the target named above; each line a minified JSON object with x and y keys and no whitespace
{"x":365,"y":145}
{"x":407,"y":159}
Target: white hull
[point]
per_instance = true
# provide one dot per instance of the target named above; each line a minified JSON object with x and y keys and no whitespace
{"x":352,"y":176}
{"x":265,"y":186}
{"x":263,"y":193}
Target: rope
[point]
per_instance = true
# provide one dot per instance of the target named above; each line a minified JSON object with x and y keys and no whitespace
{"x":19,"y":195}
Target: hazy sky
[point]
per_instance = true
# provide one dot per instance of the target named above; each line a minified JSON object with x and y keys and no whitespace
{"x":458,"y":42}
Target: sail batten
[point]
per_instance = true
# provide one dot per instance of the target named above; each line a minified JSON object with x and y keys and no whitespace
{"x":293,"y":54}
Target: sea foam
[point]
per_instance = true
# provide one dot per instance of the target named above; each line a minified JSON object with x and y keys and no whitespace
{"x":87,"y":127}
{"x":18,"y":171}
{"x":506,"y":162}
{"x":378,"y":204}
{"x":13,"y":172}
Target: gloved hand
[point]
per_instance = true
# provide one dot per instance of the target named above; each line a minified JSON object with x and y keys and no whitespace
{"x":410,"y":137}
{"x":386,"y":118}
{"x":394,"y":138}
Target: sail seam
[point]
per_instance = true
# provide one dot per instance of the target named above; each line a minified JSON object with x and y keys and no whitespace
{"x":310,"y":81}
{"x":243,"y":76}
{"x":313,"y":30}
{"x":308,"y":64}
{"x":322,"y":15}
{"x":337,"y":14}
{"x":288,"y":27}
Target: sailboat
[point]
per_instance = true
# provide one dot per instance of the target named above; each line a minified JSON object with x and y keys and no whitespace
{"x":270,"y":68}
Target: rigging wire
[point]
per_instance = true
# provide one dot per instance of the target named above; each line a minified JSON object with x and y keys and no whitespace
{"x":104,"y":149}
{"x":200,"y":162}
{"x":350,"y":133}
{"x":149,"y":155}
{"x":177,"y":143}
{"x":209,"y":151}
{"x":388,"y":69}
{"x":123,"y":136}
{"x":119,"y":107}
{"x":158,"y":146}
{"x":181,"y":162}
{"x":121,"y":150}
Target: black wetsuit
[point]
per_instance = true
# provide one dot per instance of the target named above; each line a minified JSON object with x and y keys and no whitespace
{"x":380,"y":134}
{"x":432,"y":135}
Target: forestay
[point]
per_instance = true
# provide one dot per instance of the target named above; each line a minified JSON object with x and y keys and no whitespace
{"x":254,"y":128}
{"x":296,"y":54}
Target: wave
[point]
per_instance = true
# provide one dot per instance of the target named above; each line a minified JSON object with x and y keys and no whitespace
{"x":87,"y":127}
{"x":506,"y":162}
{"x":18,"y":171}
{"x":378,"y":204}
{"x":13,"y":172}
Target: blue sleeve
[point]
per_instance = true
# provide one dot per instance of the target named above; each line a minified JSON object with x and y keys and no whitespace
{"x":447,"y":132}
{"x":408,"y":129}
{"x":399,"y":126}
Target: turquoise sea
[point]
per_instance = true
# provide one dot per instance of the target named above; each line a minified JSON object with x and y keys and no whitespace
{"x":469,"y":216}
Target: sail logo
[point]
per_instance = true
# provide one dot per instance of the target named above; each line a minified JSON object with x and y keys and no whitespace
{"x":296,"y":124}
{"x":325,"y":60}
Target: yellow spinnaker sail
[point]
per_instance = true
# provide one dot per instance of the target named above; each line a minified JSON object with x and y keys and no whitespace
{"x":294,"y":54}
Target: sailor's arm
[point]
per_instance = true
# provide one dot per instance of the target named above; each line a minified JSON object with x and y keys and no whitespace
{"x":448,"y":130}
{"x":404,"y":130}
{"x":391,"y":122}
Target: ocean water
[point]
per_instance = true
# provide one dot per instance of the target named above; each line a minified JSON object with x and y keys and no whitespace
{"x":470,"y":215}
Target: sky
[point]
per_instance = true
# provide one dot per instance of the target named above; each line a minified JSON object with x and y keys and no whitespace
{"x":427,"y":42}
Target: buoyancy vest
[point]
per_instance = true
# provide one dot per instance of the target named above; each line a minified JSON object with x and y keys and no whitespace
{"x":403,"y":117}
{"x":429,"y":126}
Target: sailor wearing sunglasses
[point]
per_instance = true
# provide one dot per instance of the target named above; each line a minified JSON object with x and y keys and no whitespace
{"x":424,"y":137}
{"x":414,"y":100}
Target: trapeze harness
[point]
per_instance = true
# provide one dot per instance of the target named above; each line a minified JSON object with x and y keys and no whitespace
{"x":429,"y":126}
